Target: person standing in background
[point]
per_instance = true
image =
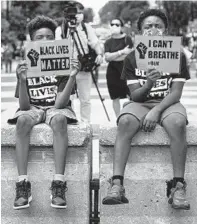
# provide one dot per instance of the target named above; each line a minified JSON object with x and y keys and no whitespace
{"x":116,"y":49}
{"x":89,"y":41}
{"x":7,"y":55}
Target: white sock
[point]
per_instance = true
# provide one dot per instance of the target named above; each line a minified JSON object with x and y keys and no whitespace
{"x":22,"y":177}
{"x":59,"y":177}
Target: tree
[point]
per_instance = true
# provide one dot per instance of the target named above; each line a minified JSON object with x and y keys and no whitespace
{"x":178,"y":13}
{"x":127,"y":10}
{"x":193,"y":9}
{"x":20,"y":12}
{"x":88,"y":15}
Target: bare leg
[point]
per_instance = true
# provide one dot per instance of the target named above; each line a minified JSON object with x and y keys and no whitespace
{"x":175,"y":126}
{"x":127,"y":128}
{"x":60,"y":142}
{"x":23,"y":128}
{"x":116,"y":106}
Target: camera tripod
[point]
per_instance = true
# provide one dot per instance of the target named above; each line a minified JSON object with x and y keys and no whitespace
{"x":73,"y":30}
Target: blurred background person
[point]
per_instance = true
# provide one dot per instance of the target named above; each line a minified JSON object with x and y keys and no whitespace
{"x":116,"y":49}
{"x":89,"y":42}
{"x":7,"y":57}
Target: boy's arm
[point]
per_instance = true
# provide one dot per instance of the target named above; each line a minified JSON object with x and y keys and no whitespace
{"x":149,"y":122}
{"x":176,"y":88}
{"x":172,"y":98}
{"x":24,"y":101}
{"x":21,"y":71}
{"x":63,"y":97}
{"x":139,"y":93}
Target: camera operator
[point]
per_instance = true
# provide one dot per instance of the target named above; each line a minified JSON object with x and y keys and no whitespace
{"x":89,"y":41}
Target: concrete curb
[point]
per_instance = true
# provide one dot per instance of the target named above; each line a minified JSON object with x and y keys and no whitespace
{"x":158,"y":137}
{"x":42,"y":135}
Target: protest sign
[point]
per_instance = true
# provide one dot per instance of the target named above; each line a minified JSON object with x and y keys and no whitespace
{"x":159,"y":52}
{"x":48,"y":58}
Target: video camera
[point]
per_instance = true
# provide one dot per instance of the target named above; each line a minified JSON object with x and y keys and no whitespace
{"x":70,"y":13}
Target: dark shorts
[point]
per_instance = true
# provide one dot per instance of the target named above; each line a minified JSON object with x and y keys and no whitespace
{"x":42,"y":115}
{"x":139,"y":110}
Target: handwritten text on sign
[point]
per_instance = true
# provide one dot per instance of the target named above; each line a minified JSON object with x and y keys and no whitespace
{"x":48,"y":58}
{"x":159,"y":52}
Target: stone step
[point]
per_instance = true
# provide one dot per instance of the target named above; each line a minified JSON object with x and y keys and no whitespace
{"x":148,"y":167}
{"x":148,"y":204}
{"x":41,"y":171}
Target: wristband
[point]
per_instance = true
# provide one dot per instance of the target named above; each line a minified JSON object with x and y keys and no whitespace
{"x":119,"y":53}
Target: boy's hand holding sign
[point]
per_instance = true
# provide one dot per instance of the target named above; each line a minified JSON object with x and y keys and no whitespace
{"x":158,"y":52}
{"x":48,"y":58}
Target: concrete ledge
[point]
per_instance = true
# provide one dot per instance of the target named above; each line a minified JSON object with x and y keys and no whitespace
{"x":42,"y":135}
{"x":157,"y":137}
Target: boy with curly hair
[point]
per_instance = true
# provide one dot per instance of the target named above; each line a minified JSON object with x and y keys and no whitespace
{"x":39,"y":105}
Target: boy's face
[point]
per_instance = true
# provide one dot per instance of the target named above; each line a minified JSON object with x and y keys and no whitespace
{"x":43,"y":34}
{"x":153,"y":26}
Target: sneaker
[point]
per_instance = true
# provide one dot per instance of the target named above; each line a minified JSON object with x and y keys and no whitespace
{"x":23,"y":195}
{"x":116,"y":195}
{"x":177,"y":196}
{"x":58,"y":189}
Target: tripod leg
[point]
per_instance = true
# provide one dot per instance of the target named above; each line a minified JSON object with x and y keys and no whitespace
{"x":100,"y":95}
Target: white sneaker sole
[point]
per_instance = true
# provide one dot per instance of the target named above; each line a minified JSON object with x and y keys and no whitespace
{"x":23,"y":206}
{"x":57,"y":206}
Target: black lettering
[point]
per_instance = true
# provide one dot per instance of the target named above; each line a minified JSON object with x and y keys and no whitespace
{"x":149,"y":43}
{"x":159,"y":43}
{"x":165,"y":43}
{"x":150,"y":54}
{"x":170,"y":41}
{"x":164,"y":54}
{"x":155,"y":54}
{"x":172,"y":55}
{"x":42,"y":51}
{"x":154,"y":43}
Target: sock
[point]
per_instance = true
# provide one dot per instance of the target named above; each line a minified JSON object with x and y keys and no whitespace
{"x":59,"y":177}
{"x":22,"y":177}
{"x":178,"y":179}
{"x":119,"y":177}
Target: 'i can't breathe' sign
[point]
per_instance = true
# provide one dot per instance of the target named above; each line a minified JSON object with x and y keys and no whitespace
{"x":48,"y":58}
{"x":159,"y":52}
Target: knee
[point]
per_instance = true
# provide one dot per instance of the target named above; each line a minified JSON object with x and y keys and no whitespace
{"x":127,"y":122}
{"x":59,"y":123}
{"x":175,"y":126}
{"x":24,"y":125}
{"x":175,"y":122}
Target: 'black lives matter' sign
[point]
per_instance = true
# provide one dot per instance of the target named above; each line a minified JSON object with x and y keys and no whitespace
{"x":48,"y":57}
{"x":159,"y":52}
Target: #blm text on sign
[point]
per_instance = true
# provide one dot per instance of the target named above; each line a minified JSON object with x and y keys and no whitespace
{"x":159,"y":52}
{"x":48,"y":58}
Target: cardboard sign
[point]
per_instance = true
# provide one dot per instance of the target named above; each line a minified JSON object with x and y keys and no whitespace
{"x":48,"y":57}
{"x":159,"y":52}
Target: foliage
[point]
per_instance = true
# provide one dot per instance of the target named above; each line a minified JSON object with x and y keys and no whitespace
{"x":178,"y":13}
{"x":20,"y":12}
{"x":127,"y":10}
{"x":88,"y":15}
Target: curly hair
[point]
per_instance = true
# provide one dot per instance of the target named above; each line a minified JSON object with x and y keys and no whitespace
{"x":41,"y":22}
{"x":152,"y":12}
